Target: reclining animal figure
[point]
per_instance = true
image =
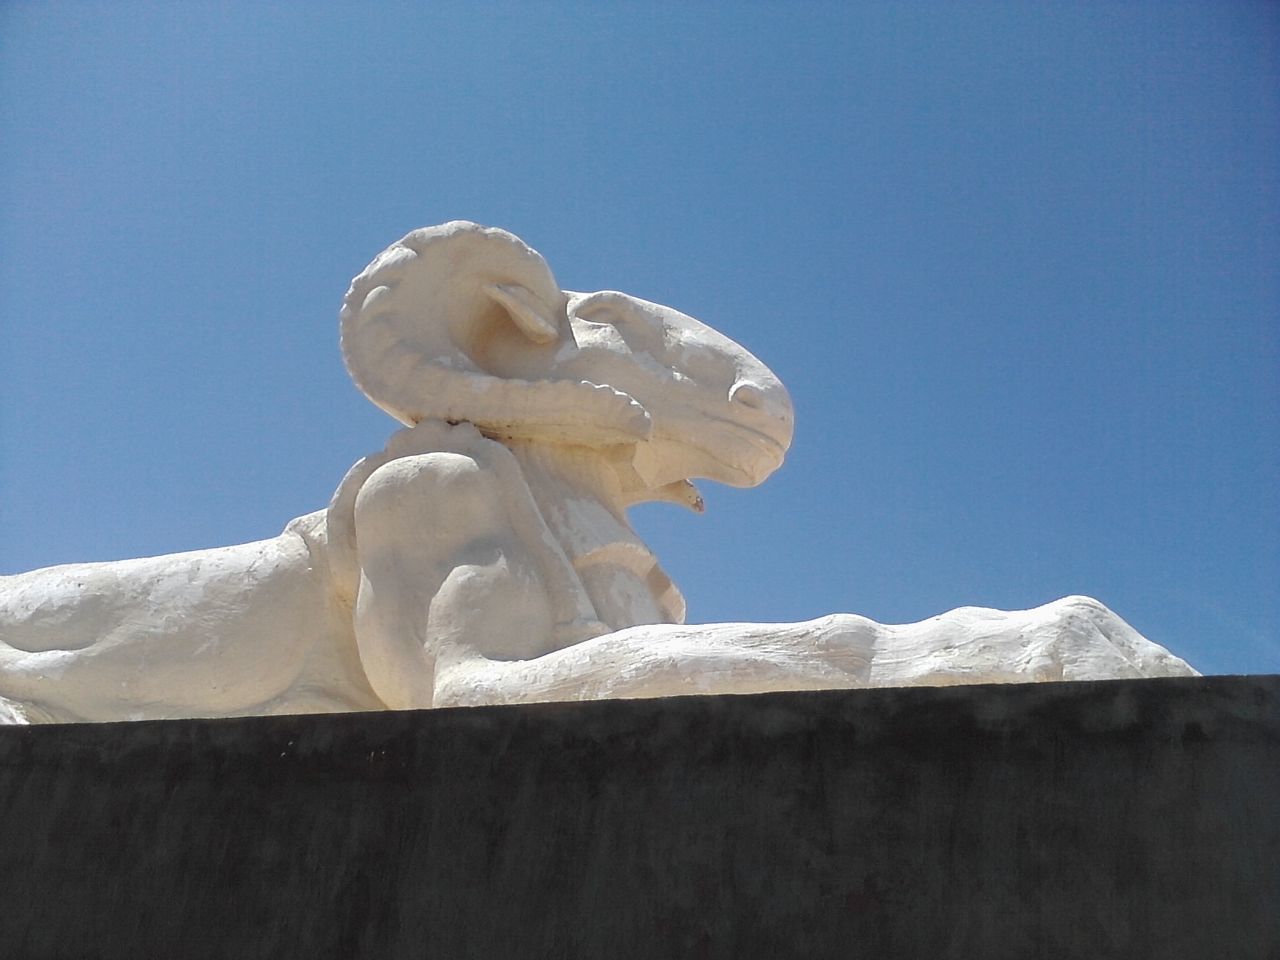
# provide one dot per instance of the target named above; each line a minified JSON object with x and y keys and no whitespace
{"x":484,"y":555}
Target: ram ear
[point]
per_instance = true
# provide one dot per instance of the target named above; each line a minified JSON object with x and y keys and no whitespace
{"x":533,"y":317}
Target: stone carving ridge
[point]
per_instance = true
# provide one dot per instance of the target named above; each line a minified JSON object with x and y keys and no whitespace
{"x":484,"y":556}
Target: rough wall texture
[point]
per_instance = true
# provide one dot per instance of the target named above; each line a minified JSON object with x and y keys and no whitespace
{"x":1111,"y":819}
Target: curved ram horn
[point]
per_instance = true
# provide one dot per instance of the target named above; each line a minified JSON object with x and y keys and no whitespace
{"x":413,"y":319}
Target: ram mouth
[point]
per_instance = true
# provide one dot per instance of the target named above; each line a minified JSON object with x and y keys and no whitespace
{"x":756,"y":437}
{"x":744,"y":456}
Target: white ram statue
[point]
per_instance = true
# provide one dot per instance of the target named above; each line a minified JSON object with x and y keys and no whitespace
{"x":484,"y":556}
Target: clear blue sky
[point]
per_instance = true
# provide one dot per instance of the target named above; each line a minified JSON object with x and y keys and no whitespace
{"x":1019,"y":265}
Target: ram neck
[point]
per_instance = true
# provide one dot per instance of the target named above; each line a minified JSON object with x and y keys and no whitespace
{"x":574,"y":488}
{"x":580,"y":499}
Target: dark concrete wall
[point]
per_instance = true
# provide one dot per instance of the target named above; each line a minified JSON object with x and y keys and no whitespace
{"x":1116,"y":819}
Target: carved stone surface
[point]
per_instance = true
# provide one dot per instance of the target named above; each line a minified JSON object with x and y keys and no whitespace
{"x":484,"y":556}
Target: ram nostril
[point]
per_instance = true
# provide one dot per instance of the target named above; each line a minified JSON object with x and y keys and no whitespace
{"x":748,"y":394}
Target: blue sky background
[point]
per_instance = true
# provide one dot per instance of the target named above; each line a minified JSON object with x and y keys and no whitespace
{"x":1019,"y":265}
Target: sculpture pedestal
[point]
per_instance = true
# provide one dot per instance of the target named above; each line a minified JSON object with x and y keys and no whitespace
{"x":1115,"y":818}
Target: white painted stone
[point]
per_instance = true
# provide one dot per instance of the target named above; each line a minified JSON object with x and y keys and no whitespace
{"x":484,"y":556}
{"x":1075,"y":638}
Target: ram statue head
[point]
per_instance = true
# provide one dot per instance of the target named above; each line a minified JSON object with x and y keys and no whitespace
{"x":461,"y":322}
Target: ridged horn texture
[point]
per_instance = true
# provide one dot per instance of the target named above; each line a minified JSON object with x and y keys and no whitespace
{"x":413,"y":319}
